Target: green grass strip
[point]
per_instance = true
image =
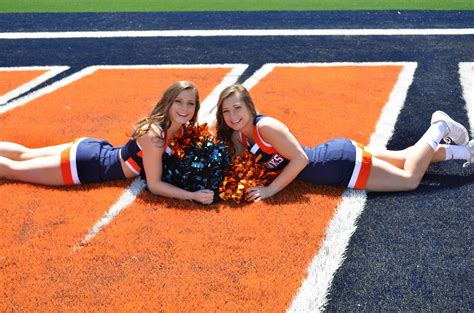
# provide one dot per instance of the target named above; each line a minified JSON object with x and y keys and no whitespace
{"x":23,"y":6}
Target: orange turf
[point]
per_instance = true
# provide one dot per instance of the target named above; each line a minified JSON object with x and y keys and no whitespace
{"x":10,"y":80}
{"x":162,"y":254}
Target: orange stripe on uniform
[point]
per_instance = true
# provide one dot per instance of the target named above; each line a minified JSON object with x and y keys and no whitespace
{"x":366,"y":164}
{"x":66,"y":167}
{"x":134,"y":165}
{"x":262,"y":144}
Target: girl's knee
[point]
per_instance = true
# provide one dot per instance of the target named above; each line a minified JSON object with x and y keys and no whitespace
{"x":413,"y":182}
{"x":6,"y":168}
{"x":26,"y":154}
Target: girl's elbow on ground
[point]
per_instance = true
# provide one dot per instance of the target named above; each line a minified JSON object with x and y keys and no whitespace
{"x":154,"y":191}
{"x":154,"y":188}
{"x":304,"y":160}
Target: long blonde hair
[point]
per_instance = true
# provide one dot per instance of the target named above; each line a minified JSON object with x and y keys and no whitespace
{"x":224,"y":132}
{"x":159,"y":116}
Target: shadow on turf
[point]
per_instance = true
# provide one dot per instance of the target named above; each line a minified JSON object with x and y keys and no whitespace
{"x":435,"y":183}
{"x":443,"y":181}
{"x":296,"y":192}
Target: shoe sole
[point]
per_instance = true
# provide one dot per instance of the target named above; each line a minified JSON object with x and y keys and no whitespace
{"x":446,"y":117}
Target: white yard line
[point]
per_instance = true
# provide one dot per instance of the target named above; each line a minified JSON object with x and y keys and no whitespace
{"x":240,"y":32}
{"x":46,"y":90}
{"x":51,"y":72}
{"x":312,"y":295}
{"x":208,"y":106}
{"x":137,"y":186}
{"x":89,"y":70}
{"x":466,"y":73}
{"x":386,"y":124}
{"x":128,"y":196}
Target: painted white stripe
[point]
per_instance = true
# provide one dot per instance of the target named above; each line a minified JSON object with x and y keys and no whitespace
{"x":139,"y":184}
{"x":208,"y":106}
{"x":46,"y":90}
{"x":240,"y":32}
{"x":164,"y":66}
{"x":29,"y":68}
{"x":466,"y":73}
{"x":313,"y":292}
{"x":259,"y":74}
{"x":51,"y":72}
{"x":268,"y":68}
{"x":312,"y":295}
{"x":89,"y":70}
{"x":129,"y":195}
{"x":357,"y":166}
{"x":391,"y":110}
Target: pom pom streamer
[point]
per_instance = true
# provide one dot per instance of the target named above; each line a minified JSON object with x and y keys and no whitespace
{"x":244,"y":173}
{"x":197,"y":160}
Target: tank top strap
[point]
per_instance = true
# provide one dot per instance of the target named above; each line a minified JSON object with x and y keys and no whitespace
{"x":266,"y":147}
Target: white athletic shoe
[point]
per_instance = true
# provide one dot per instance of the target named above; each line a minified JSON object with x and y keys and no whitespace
{"x":470,"y":146}
{"x":456,"y":132}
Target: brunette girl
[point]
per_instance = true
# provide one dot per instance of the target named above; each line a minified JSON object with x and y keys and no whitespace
{"x":338,"y":161}
{"x":90,"y":160}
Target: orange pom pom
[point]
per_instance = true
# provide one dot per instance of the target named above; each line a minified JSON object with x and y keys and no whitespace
{"x":194,"y":135}
{"x":244,"y":173}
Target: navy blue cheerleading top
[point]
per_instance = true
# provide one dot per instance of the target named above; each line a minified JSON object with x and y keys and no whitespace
{"x":132,"y":154}
{"x":264,"y":153}
{"x":335,"y":162}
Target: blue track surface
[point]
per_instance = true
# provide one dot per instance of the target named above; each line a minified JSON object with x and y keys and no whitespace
{"x":411,"y":251}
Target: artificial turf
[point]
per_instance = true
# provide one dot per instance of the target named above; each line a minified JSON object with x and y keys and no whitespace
{"x":23,"y":6}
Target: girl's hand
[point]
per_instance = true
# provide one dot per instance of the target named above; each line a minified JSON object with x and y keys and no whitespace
{"x":204,"y":196}
{"x":257,"y":193}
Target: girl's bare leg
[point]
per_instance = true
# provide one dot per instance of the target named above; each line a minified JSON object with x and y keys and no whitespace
{"x":398,"y":157}
{"x":390,"y":175}
{"x":17,"y":152}
{"x":385,"y":176}
{"x":40,"y":170}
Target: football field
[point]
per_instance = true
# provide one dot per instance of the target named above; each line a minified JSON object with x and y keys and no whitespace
{"x":371,"y":76}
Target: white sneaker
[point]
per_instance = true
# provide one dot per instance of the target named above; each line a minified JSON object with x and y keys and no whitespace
{"x":456,"y":132}
{"x":470,"y":146}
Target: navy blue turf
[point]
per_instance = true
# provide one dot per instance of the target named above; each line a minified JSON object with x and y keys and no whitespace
{"x":411,"y":251}
{"x":234,"y":20}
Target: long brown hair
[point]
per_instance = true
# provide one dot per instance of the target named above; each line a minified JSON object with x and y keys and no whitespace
{"x":224,"y":132}
{"x":159,"y":116}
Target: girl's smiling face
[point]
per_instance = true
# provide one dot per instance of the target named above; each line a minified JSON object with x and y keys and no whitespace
{"x":236,"y":113}
{"x":183,"y":107}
